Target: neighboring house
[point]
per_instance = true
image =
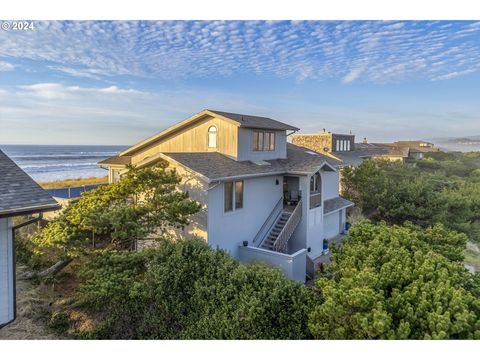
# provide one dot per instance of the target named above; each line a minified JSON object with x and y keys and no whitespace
{"x":416,"y":149}
{"x":263,"y":198}
{"x":19,"y":195}
{"x":343,"y":147}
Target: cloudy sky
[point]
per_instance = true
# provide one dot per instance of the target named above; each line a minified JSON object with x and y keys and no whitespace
{"x":119,"y":82}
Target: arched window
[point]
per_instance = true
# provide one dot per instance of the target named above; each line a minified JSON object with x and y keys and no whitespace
{"x":212,"y":137}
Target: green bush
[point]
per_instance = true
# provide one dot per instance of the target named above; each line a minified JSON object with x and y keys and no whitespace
{"x":398,"y":282}
{"x":184,"y":289}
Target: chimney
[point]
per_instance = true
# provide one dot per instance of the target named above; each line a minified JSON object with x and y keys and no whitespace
{"x":365,"y":141}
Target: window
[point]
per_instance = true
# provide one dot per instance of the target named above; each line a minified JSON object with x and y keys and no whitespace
{"x":348,"y":145}
{"x":272,"y":141}
{"x":337,"y":145}
{"x":228,"y":196}
{"x":315,"y":183}
{"x":212,"y":137}
{"x":233,"y":195}
{"x":239,"y":194}
{"x":263,"y":141}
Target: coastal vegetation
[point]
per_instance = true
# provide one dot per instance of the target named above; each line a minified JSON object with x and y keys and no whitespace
{"x":398,"y":282}
{"x":184,"y":290}
{"x":442,"y":188}
{"x":70,"y":183}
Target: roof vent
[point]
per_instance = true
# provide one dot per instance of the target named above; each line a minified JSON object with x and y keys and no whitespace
{"x":260,"y":162}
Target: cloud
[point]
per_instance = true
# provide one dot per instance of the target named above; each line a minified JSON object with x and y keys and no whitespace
{"x":5,"y":66}
{"x":314,"y":50}
{"x":59,"y":91}
{"x":454,"y":74}
{"x":355,"y":72}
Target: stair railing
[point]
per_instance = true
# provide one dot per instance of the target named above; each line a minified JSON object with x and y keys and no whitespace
{"x":269,"y":222}
{"x":281,"y":242}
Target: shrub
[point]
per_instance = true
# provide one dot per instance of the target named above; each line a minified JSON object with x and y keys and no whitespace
{"x":394,"y":282}
{"x":185,"y":289}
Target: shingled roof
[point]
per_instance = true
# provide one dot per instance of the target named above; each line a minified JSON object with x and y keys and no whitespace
{"x":366,"y":151}
{"x":255,"y":122}
{"x":116,"y":160}
{"x":215,"y":166}
{"x":335,"y":204}
{"x":19,"y":194}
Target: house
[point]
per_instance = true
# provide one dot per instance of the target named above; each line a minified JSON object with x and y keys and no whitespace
{"x":263,"y":199}
{"x":343,"y":147}
{"x":417,"y":149}
{"x":19,"y":195}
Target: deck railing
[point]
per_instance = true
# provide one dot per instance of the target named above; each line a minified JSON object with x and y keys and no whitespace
{"x":315,"y":200}
{"x":281,"y":242}
{"x":269,"y":222}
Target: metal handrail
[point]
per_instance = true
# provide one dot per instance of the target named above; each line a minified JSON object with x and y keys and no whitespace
{"x":280,"y":243}
{"x":276,"y":210}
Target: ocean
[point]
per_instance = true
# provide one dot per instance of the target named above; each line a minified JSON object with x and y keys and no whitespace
{"x":61,"y":162}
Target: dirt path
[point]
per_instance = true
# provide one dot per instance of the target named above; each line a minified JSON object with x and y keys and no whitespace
{"x":30,"y":321}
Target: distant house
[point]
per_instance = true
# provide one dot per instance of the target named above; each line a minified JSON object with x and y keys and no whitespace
{"x":19,"y":195}
{"x":416,"y":149}
{"x":343,"y":147}
{"x":263,"y":198}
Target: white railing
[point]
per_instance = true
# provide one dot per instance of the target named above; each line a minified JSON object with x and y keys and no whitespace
{"x":281,"y":242}
{"x":269,"y":222}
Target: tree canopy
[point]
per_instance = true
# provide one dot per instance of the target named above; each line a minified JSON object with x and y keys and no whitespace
{"x":185,"y":289}
{"x":397,"y":282}
{"x":434,"y":191}
{"x":145,"y":201}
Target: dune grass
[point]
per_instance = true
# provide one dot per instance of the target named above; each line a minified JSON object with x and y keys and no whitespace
{"x":73,"y":182}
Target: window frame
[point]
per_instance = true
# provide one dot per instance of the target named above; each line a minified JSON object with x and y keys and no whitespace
{"x":233,"y":194}
{"x":215,"y":133}
{"x":316,"y":179}
{"x":263,"y":140}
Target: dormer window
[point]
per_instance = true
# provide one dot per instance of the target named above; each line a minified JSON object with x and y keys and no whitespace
{"x":263,"y":140}
{"x":212,"y":137}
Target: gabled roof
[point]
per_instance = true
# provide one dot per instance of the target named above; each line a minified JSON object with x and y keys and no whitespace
{"x":215,"y":166}
{"x":241,"y":120}
{"x":19,"y":194}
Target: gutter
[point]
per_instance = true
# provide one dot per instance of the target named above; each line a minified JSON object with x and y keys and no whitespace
{"x":30,"y":210}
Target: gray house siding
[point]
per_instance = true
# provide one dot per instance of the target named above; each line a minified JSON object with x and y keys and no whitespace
{"x":7,"y":298}
{"x":228,"y":230}
{"x":245,"y":146}
{"x":329,"y":184}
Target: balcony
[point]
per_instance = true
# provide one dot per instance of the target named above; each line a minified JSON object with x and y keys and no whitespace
{"x":315,"y":200}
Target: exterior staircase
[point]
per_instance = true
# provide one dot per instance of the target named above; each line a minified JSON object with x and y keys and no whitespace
{"x":269,"y":242}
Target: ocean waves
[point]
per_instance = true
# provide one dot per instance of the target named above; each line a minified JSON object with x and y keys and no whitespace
{"x":60,"y":162}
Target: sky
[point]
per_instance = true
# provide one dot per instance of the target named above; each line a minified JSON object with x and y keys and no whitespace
{"x":104,"y":82}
